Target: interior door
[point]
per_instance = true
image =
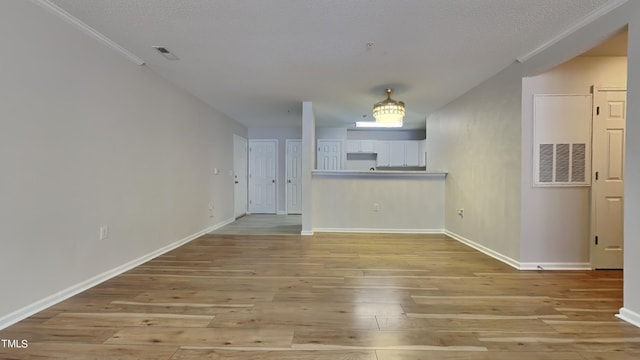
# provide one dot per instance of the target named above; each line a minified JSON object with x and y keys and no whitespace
{"x":262,"y":176}
{"x":240,"y":164}
{"x":607,"y":191}
{"x":294,"y":176}
{"x":329,"y":154}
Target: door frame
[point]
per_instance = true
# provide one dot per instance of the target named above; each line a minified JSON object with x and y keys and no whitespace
{"x":286,"y":172}
{"x":592,"y":195}
{"x":237,"y":140}
{"x":276,"y":173}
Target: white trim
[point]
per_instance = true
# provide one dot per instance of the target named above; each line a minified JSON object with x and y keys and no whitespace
{"x":280,"y":212}
{"x":555,"y":266}
{"x":25,"y":312}
{"x":629,"y":316}
{"x":237,"y":140}
{"x":78,"y":24}
{"x":306,"y":233}
{"x":213,"y":228}
{"x":591,"y":17}
{"x":382,"y":231}
{"x":483,"y":249}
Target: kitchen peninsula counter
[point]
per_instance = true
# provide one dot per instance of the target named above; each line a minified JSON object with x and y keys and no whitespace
{"x":410,"y":201}
{"x":380,"y":173}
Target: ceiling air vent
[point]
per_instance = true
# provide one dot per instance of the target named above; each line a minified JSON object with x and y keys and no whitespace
{"x":166,"y":53}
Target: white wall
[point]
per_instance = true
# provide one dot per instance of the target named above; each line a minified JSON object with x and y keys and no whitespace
{"x":632,"y":190}
{"x":346,"y":203}
{"x":476,"y":139}
{"x":449,"y":143}
{"x":89,"y":139}
{"x":555,"y":226}
{"x":331,"y":133}
{"x":280,"y":134}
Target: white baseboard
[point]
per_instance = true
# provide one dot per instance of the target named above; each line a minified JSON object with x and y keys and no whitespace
{"x":25,"y":312}
{"x":217,"y":226}
{"x":483,"y":249}
{"x":514,"y":263}
{"x":381,"y":231}
{"x":629,"y":316}
{"x":281,"y":212}
{"x":555,"y":266}
{"x":306,"y":233}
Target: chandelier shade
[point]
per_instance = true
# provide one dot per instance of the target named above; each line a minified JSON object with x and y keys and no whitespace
{"x":389,"y":111}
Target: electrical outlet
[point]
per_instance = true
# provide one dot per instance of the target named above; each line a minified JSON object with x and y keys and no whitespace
{"x":376,"y":207}
{"x":104,"y":232}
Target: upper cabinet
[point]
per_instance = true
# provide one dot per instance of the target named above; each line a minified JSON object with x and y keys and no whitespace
{"x":360,"y":146}
{"x":385,"y":153}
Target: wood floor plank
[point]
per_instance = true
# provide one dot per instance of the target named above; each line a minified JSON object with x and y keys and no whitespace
{"x":44,"y":351}
{"x":252,"y":318}
{"x":384,"y":339}
{"x":221,"y":296}
{"x":127,"y":319}
{"x":464,"y":325}
{"x":334,"y":296}
{"x":209,"y":354}
{"x":474,"y":355}
{"x":610,"y":355}
{"x":578,"y":342}
{"x":203,"y":337}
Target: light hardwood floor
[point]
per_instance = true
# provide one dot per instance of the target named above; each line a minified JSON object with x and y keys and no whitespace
{"x":332,"y":297}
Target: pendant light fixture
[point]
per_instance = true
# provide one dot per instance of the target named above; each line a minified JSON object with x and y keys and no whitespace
{"x":389,"y":111}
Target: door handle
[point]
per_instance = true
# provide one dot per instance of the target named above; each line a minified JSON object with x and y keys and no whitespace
{"x":273,"y":181}
{"x":289,"y":181}
{"x":237,"y":182}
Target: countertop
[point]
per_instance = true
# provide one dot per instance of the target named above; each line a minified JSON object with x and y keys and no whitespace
{"x":381,"y":173}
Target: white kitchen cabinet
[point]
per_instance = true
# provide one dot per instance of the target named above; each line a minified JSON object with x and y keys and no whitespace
{"x":360,"y":146}
{"x":404,"y":153}
{"x":382,"y":149}
{"x":411,"y":153}
{"x":353,"y":146}
{"x":367,"y":146}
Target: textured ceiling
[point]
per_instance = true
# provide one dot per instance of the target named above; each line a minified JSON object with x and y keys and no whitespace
{"x":257,"y":60}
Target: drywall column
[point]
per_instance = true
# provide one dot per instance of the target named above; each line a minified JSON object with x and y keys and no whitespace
{"x":308,"y":164}
{"x":631,"y":310}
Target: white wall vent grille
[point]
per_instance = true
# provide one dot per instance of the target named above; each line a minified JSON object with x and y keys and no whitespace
{"x":561,"y":164}
{"x":562,"y":140}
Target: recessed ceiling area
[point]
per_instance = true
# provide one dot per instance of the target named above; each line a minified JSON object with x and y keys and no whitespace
{"x":257,"y":60}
